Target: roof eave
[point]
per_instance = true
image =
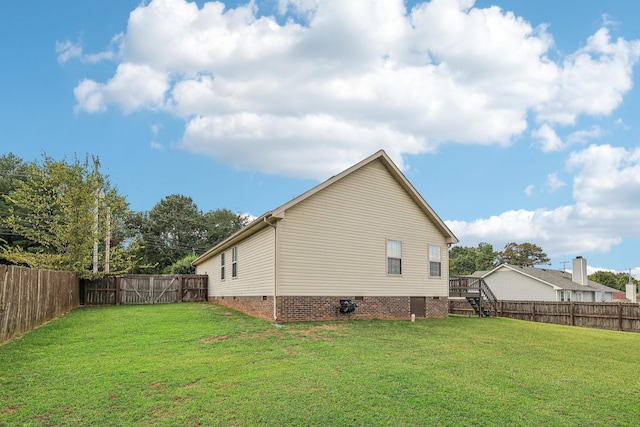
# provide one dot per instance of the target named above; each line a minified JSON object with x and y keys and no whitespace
{"x":246,"y":231}
{"x":279,"y":212}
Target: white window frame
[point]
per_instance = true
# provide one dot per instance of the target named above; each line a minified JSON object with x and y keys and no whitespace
{"x":234,"y":262}
{"x":565,"y":295}
{"x":435,"y":257}
{"x":222,"y":277}
{"x":394,"y":252}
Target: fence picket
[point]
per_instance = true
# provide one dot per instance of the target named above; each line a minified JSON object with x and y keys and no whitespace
{"x":604,"y":315}
{"x":142,"y":289}
{"x":32,"y":297}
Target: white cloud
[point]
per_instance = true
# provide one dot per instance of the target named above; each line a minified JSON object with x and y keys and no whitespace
{"x":408,"y":80}
{"x":562,"y":231}
{"x":308,"y":146}
{"x":554,"y":183}
{"x":529,"y":190}
{"x":156,"y":146}
{"x":609,"y":21}
{"x":591,"y":81}
{"x":548,"y":139}
{"x":606,"y":188}
{"x":67,"y":50}
{"x":608,"y":178}
{"x":584,"y":135}
{"x":89,"y":96}
{"x":133,"y":87}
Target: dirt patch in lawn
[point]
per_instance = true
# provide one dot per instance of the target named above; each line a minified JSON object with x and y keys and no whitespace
{"x":214,"y":339}
{"x":317,"y":331}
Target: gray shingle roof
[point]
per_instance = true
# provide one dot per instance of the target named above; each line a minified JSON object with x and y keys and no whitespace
{"x":561,"y":279}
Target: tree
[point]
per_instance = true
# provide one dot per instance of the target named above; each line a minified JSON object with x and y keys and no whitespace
{"x":54,"y":210}
{"x":13,"y":171}
{"x":523,"y":254}
{"x":182,"y":266}
{"x":172,"y":229}
{"x":613,"y":280}
{"x":220,"y":224}
{"x":175,"y":227}
{"x":465,"y":260}
{"x":485,"y":256}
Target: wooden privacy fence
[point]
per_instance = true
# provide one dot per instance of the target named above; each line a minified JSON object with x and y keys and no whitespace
{"x":29,"y":298}
{"x":602,"y":315}
{"x":145,"y":289}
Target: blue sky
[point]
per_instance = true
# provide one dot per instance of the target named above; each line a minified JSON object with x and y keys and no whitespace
{"x":516,"y":122}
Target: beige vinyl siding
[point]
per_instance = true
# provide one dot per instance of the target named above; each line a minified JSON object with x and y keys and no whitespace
{"x":211,"y":268}
{"x":255,"y":268}
{"x":334,"y":242}
{"x":510,"y":285}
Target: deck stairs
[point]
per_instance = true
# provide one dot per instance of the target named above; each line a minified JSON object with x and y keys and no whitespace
{"x":477,"y":293}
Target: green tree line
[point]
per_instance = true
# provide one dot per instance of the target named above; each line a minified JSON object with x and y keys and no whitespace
{"x":466,"y":260}
{"x":54,"y":212}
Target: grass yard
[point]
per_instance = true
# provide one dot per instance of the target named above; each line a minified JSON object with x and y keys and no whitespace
{"x":201,"y":364}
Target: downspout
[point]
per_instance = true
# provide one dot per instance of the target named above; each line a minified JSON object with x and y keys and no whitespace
{"x":275,"y":266}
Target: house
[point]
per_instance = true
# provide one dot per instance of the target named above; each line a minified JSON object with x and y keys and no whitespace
{"x":363,"y":244}
{"x":510,"y":282}
{"x":620,"y":296}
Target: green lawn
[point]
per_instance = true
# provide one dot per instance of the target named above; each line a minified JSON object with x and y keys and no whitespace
{"x":201,"y":364}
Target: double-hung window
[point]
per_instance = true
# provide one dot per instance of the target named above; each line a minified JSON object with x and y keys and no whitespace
{"x":234,"y":262}
{"x":435,"y":261}
{"x":564,"y":295}
{"x":222,"y":266}
{"x":394,"y":257}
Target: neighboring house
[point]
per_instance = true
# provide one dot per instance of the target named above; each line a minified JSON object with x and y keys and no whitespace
{"x":365,"y":235}
{"x":620,"y":296}
{"x":510,"y":282}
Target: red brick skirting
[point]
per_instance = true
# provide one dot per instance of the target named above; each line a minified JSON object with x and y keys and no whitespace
{"x":261,"y":307}
{"x":299,"y":308}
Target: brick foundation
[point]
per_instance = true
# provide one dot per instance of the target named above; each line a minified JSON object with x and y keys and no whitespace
{"x":437,"y":306}
{"x":256,"y":306}
{"x":299,"y":308}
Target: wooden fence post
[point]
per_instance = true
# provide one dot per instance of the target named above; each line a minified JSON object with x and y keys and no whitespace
{"x":180,"y":291}
{"x":533,"y":311}
{"x":620,"y":316}
{"x":573,"y":322}
{"x":118,"y":294}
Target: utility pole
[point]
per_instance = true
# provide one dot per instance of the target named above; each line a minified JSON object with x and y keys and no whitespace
{"x":107,"y":244}
{"x":96,"y":166}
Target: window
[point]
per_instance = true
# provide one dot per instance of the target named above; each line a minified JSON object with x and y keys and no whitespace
{"x":234,"y":262}
{"x":435,"y":261}
{"x":394,"y":257}
{"x":222,"y":266}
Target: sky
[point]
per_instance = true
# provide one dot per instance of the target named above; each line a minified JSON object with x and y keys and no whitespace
{"x":517,"y":121}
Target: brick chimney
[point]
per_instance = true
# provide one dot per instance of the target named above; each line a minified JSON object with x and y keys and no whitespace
{"x":579,"y":272}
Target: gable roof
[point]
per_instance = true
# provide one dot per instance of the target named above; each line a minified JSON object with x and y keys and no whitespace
{"x":267,"y":219}
{"x":559,"y":280}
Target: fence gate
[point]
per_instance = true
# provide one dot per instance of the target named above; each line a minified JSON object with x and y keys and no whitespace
{"x":145,"y":289}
